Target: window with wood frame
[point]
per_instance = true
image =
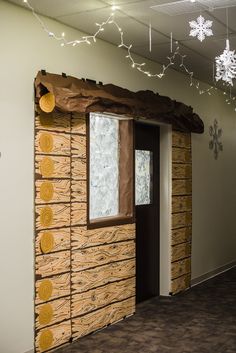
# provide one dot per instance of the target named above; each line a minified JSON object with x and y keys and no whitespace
{"x":110,"y":182}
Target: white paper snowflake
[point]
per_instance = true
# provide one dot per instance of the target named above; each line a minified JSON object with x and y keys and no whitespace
{"x":226,"y":65}
{"x":201,"y":28}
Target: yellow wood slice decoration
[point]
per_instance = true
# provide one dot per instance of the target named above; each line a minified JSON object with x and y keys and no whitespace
{"x":46,"y":191}
{"x":46,"y":216}
{"x":45,"y":340}
{"x":45,"y":314}
{"x":47,"y":242}
{"x":46,"y":142}
{"x":47,"y":167}
{"x":45,"y":289}
{"x":47,"y":102}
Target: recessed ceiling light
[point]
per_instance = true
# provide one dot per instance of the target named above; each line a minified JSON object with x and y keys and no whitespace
{"x":115,"y":7}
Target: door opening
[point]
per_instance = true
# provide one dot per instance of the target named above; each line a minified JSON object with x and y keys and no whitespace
{"x":147,"y":201}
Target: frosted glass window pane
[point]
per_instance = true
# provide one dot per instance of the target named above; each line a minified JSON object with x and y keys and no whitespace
{"x":143,"y":160}
{"x":104,"y":166}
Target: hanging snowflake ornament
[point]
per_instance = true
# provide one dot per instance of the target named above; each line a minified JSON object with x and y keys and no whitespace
{"x":226,"y":65}
{"x":201,"y":28}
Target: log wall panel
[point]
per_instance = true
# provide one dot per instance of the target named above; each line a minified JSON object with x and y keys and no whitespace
{"x":180,"y":284}
{"x":82,"y":238}
{"x":55,"y":336}
{"x":181,"y":204}
{"x":52,"y":288}
{"x":181,"y":251}
{"x":94,"y":299}
{"x":181,"y":219}
{"x":79,"y":191}
{"x":91,"y":322}
{"x":79,"y":167}
{"x":52,"y":216}
{"x":52,"y":143}
{"x":51,"y":313}
{"x":181,"y":171}
{"x":78,"y":124}
{"x":181,"y":211}
{"x":181,"y":235}
{"x":55,"y":121}
{"x":52,"y":167}
{"x":78,"y":214}
{"x":180,"y":268}
{"x":101,"y":255}
{"x":102,"y":275}
{"x":52,"y":240}
{"x":182,"y":187}
{"x":78,"y":148}
{"x":180,"y":139}
{"x":52,"y":264}
{"x":181,"y":155}
{"x":52,"y":191}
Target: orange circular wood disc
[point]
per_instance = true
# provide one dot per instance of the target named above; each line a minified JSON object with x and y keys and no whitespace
{"x":47,"y":242}
{"x":45,"y":289}
{"x":46,"y":191}
{"x":47,"y":102}
{"x":46,"y":142}
{"x":45,"y":340}
{"x":45,"y":314}
{"x":47,"y":167}
{"x":46,"y":216}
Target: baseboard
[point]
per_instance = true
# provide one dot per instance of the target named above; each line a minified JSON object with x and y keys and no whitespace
{"x":216,"y":272}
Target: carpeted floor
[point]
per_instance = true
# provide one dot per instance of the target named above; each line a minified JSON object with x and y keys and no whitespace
{"x":201,"y":320}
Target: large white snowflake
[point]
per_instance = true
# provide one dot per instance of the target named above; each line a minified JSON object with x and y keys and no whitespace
{"x":226,"y":65}
{"x":201,"y":28}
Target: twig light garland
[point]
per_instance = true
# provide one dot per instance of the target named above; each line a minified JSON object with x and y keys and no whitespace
{"x":89,"y":39}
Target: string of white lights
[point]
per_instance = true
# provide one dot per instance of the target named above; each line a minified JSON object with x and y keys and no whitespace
{"x":134,"y":64}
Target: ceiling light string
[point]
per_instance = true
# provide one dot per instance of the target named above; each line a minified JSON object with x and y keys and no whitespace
{"x":139,"y":66}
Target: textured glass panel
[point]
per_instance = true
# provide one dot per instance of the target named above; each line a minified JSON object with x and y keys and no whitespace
{"x":104,"y":166}
{"x":143,"y":160}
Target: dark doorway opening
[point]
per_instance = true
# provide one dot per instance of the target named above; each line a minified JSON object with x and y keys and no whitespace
{"x":147,"y":209}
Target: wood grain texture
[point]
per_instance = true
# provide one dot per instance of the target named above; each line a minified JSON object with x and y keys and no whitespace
{"x":61,"y":167}
{"x":180,"y":284}
{"x":78,"y":213}
{"x":180,"y":268}
{"x":78,"y":146}
{"x":61,"y":333}
{"x":181,"y":155}
{"x":79,"y":191}
{"x":181,"y":139}
{"x":55,"y":121}
{"x":52,"y":264}
{"x":94,"y":299}
{"x":61,"y":240}
{"x":78,"y":170}
{"x":83,"y":238}
{"x":181,"y":203}
{"x":86,"y":324}
{"x":60,"y":143}
{"x":60,"y":287}
{"x":60,"y":309}
{"x":181,"y":235}
{"x":78,"y":123}
{"x":180,"y":251}
{"x":182,"y":219}
{"x":61,"y":191}
{"x":101,"y":255}
{"x":181,"y":171}
{"x":181,"y":187}
{"x":60,"y":216}
{"x":102,"y":275}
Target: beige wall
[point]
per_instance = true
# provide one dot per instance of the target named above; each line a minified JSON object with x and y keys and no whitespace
{"x":25,"y":49}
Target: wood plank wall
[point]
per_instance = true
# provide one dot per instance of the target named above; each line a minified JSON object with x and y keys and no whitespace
{"x":181,"y":212}
{"x":84,"y":279}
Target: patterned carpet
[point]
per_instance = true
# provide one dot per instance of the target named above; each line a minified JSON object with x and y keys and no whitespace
{"x":201,"y":320}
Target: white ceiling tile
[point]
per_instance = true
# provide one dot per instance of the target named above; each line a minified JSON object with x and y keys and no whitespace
{"x":56,"y":8}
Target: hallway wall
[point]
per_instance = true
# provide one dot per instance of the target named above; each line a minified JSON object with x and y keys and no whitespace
{"x":25,"y":49}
